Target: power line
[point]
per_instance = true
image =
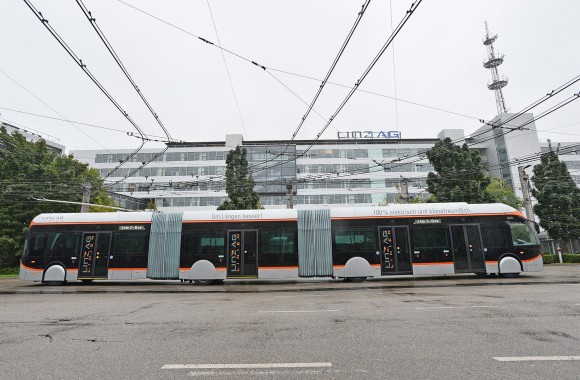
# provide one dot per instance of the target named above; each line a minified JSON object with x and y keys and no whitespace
{"x":269,"y":69}
{"x":78,"y":122}
{"x":109,"y":47}
{"x":332,"y":66}
{"x":83,"y":67}
{"x":227,"y":70}
{"x":401,"y":24}
{"x":51,"y":108}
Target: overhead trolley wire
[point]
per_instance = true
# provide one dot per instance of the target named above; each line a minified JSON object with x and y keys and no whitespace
{"x":109,"y":47}
{"x":270,"y":69}
{"x":401,"y":24}
{"x":332,"y":66}
{"x":403,"y":161}
{"x":227,"y":70}
{"x":83,"y":67}
{"x":51,"y":108}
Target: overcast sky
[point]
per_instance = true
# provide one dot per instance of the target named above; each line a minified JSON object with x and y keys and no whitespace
{"x":437,"y":62}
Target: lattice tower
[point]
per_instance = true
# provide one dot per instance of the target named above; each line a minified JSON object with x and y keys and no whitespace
{"x":492,"y":62}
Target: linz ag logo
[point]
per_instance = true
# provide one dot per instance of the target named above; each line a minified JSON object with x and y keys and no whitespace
{"x":372,"y":135}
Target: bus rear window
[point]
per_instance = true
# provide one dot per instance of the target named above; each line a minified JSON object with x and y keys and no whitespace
{"x":523,"y":234}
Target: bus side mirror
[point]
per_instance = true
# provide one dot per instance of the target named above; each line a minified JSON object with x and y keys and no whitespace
{"x":537,"y":227}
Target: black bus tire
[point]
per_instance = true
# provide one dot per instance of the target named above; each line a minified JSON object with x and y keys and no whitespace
{"x":509,"y":275}
{"x":355,"y":279}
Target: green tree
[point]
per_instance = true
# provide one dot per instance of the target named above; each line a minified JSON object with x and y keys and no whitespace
{"x":500,"y":192}
{"x":151,"y":205}
{"x":459,"y":177}
{"x":239,"y":184}
{"x":558,"y":197}
{"x":30,"y":170}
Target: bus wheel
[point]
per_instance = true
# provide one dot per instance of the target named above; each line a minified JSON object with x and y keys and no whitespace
{"x":355,"y":279}
{"x":509,"y":275}
{"x":54,"y":275}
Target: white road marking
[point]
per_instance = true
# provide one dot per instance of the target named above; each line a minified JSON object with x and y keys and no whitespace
{"x":451,"y":307}
{"x":253,"y":373}
{"x":295,"y":311}
{"x":245,"y":365}
{"x":535,"y":358}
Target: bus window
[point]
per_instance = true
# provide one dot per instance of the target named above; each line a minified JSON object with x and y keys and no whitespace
{"x":130,"y":243}
{"x":355,"y":240}
{"x":360,"y":242}
{"x":494,"y":236}
{"x":430,"y":244}
{"x":523,"y":234}
{"x":64,"y":245}
{"x":203,"y":245}
{"x":278,"y":248}
{"x":36,"y":245}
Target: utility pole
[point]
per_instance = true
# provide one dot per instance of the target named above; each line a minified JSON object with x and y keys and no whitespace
{"x":526,"y":191}
{"x":86,"y":197}
{"x":405,"y":190}
{"x":289,"y":196}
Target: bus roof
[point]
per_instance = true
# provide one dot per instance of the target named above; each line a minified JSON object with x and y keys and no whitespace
{"x":419,"y":210}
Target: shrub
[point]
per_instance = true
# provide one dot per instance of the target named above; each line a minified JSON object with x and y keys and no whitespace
{"x":10,"y":271}
{"x":566,"y":257}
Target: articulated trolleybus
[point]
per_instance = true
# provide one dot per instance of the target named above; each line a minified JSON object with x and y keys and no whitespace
{"x":350,"y":243}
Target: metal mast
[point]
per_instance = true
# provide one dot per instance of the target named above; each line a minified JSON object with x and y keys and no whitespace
{"x":492,"y":62}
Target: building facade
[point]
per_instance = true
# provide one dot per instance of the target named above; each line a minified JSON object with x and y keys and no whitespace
{"x":31,"y":136}
{"x":356,"y":168}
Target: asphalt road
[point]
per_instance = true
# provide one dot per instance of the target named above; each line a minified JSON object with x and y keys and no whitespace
{"x":453,"y":327}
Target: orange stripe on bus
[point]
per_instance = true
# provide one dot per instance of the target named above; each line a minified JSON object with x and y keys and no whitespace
{"x":30,"y":268}
{"x":532,"y":259}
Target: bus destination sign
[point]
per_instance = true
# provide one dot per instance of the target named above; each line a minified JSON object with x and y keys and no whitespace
{"x":132,"y":228}
{"x":426,"y":221}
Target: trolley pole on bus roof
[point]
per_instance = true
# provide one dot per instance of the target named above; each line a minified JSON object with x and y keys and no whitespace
{"x":289,"y":197}
{"x":86,"y":197}
{"x":524,"y":182}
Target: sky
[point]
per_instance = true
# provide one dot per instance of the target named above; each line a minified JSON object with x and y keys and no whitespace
{"x":201,"y":93}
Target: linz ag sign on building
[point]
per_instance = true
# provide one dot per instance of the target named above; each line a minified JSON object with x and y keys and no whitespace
{"x":373,"y":135}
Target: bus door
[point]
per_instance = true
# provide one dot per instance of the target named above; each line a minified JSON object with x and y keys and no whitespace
{"x":467,"y":248}
{"x":243,"y":254}
{"x":94,"y":260}
{"x":394,"y":250}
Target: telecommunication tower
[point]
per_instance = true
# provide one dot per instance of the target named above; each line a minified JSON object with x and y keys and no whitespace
{"x":492,"y":62}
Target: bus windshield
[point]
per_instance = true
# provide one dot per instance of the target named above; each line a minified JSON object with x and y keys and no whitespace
{"x":523,"y":234}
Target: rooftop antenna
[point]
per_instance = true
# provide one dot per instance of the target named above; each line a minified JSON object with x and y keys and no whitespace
{"x":492,"y":62}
